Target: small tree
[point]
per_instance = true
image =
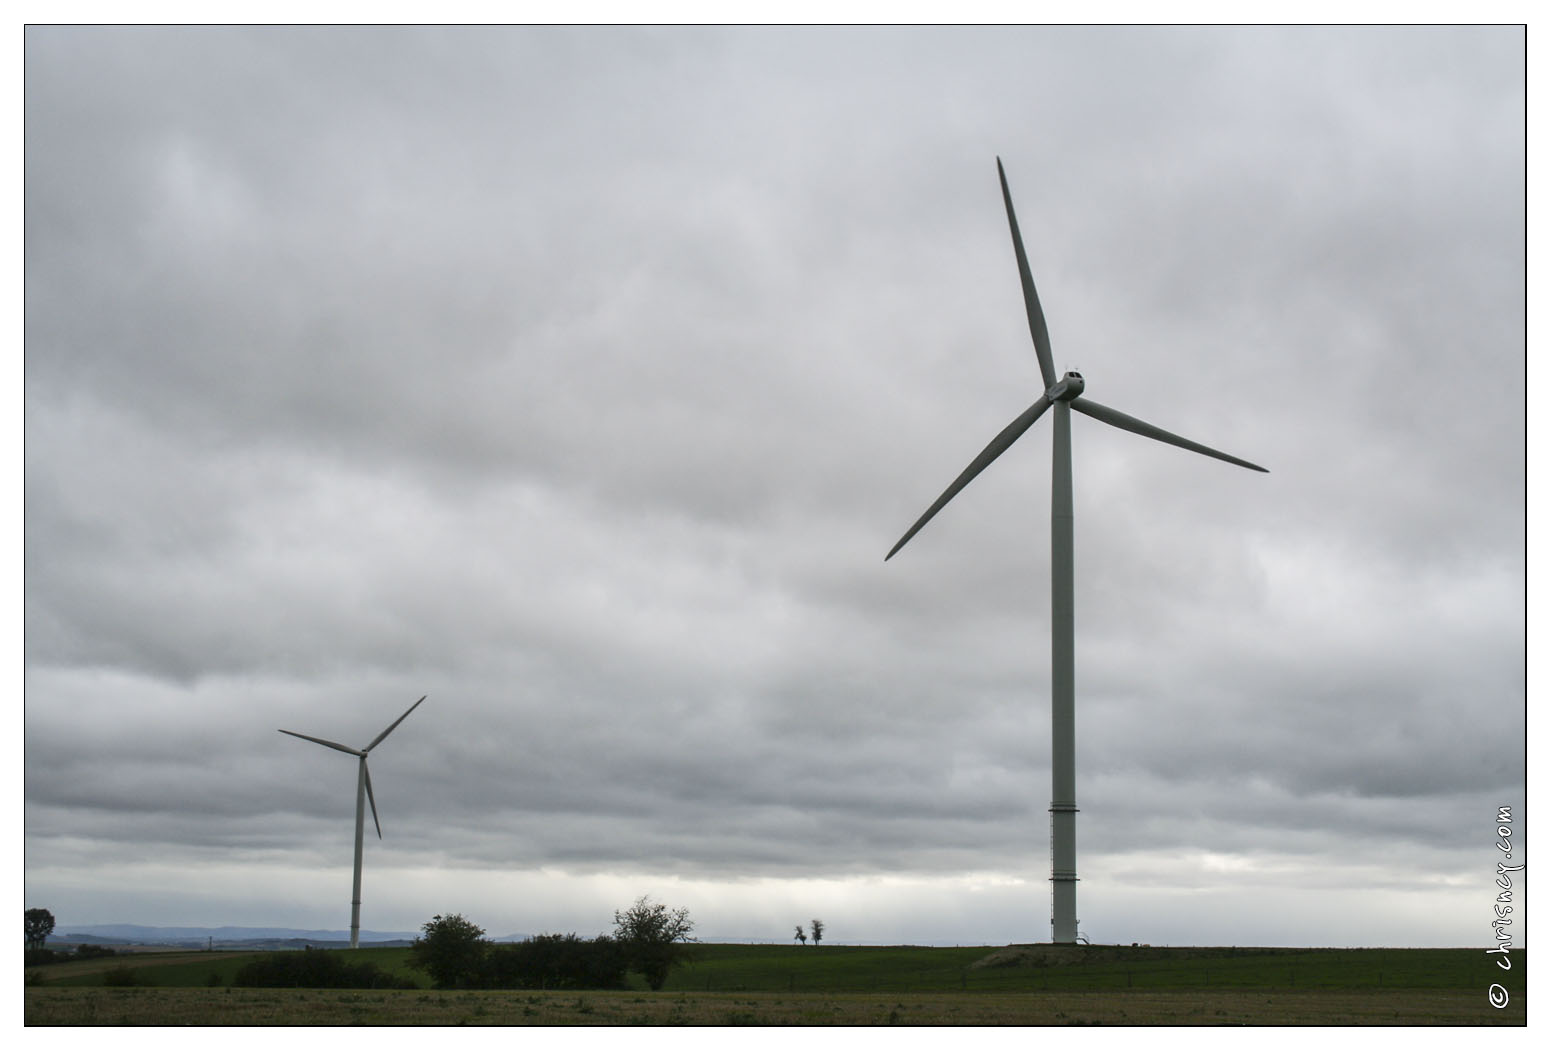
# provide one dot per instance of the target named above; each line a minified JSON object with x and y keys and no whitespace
{"x":801,"y":935}
{"x":450,"y":951}
{"x":40,"y":924}
{"x":653,"y":937}
{"x":818,"y":931}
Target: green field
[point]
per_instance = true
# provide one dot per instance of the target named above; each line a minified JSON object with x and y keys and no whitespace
{"x":848,"y":985}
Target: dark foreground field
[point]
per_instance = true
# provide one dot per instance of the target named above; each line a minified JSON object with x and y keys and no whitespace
{"x":409,"y":1007}
{"x":844,"y":985}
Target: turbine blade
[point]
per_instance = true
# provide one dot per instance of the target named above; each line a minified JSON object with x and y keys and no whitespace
{"x":1037,"y":329}
{"x":1011,"y":433}
{"x":1116,"y":418}
{"x":378,"y":739}
{"x":327,"y":744}
{"x":371,"y":798}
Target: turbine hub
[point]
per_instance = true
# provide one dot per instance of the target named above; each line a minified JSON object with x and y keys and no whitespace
{"x":1066,"y":388}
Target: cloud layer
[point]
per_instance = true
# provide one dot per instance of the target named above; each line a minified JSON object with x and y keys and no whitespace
{"x":581,"y":379}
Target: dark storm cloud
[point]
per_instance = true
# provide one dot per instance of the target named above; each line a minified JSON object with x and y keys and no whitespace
{"x":581,"y":379}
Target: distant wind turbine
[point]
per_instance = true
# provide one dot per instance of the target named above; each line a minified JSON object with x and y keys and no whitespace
{"x":1063,"y":394}
{"x":363,"y":795}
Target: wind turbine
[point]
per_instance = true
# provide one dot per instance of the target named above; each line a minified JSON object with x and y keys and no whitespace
{"x":1064,"y":395}
{"x":363,"y":794}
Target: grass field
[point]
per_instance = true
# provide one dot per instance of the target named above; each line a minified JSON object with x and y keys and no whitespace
{"x":841,"y":985}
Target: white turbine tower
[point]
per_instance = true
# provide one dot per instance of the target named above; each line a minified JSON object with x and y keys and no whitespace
{"x":363,"y":795}
{"x":1064,"y":395}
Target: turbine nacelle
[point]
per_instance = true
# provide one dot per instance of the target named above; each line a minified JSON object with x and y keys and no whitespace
{"x":1065,"y":389}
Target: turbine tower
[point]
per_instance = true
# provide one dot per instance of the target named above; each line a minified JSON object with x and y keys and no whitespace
{"x":363,"y":795}
{"x":1064,"y":395}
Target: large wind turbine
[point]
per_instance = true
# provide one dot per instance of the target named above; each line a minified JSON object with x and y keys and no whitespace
{"x":363,"y":795}
{"x":1063,"y":394}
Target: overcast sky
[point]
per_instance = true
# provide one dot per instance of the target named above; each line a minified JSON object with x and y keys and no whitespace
{"x":582,"y":379}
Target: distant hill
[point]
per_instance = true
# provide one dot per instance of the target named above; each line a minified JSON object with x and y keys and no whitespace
{"x":219,"y":937}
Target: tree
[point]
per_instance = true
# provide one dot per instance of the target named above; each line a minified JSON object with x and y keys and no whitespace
{"x":450,"y":951}
{"x":818,"y":931}
{"x":653,"y":937}
{"x":40,"y":924}
{"x":801,"y":935}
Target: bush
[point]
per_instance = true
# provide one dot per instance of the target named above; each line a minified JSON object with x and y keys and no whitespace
{"x":315,"y":969}
{"x":43,"y":957}
{"x":92,"y":952}
{"x":555,"y":961}
{"x":124,"y":974}
{"x":451,"y":950}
